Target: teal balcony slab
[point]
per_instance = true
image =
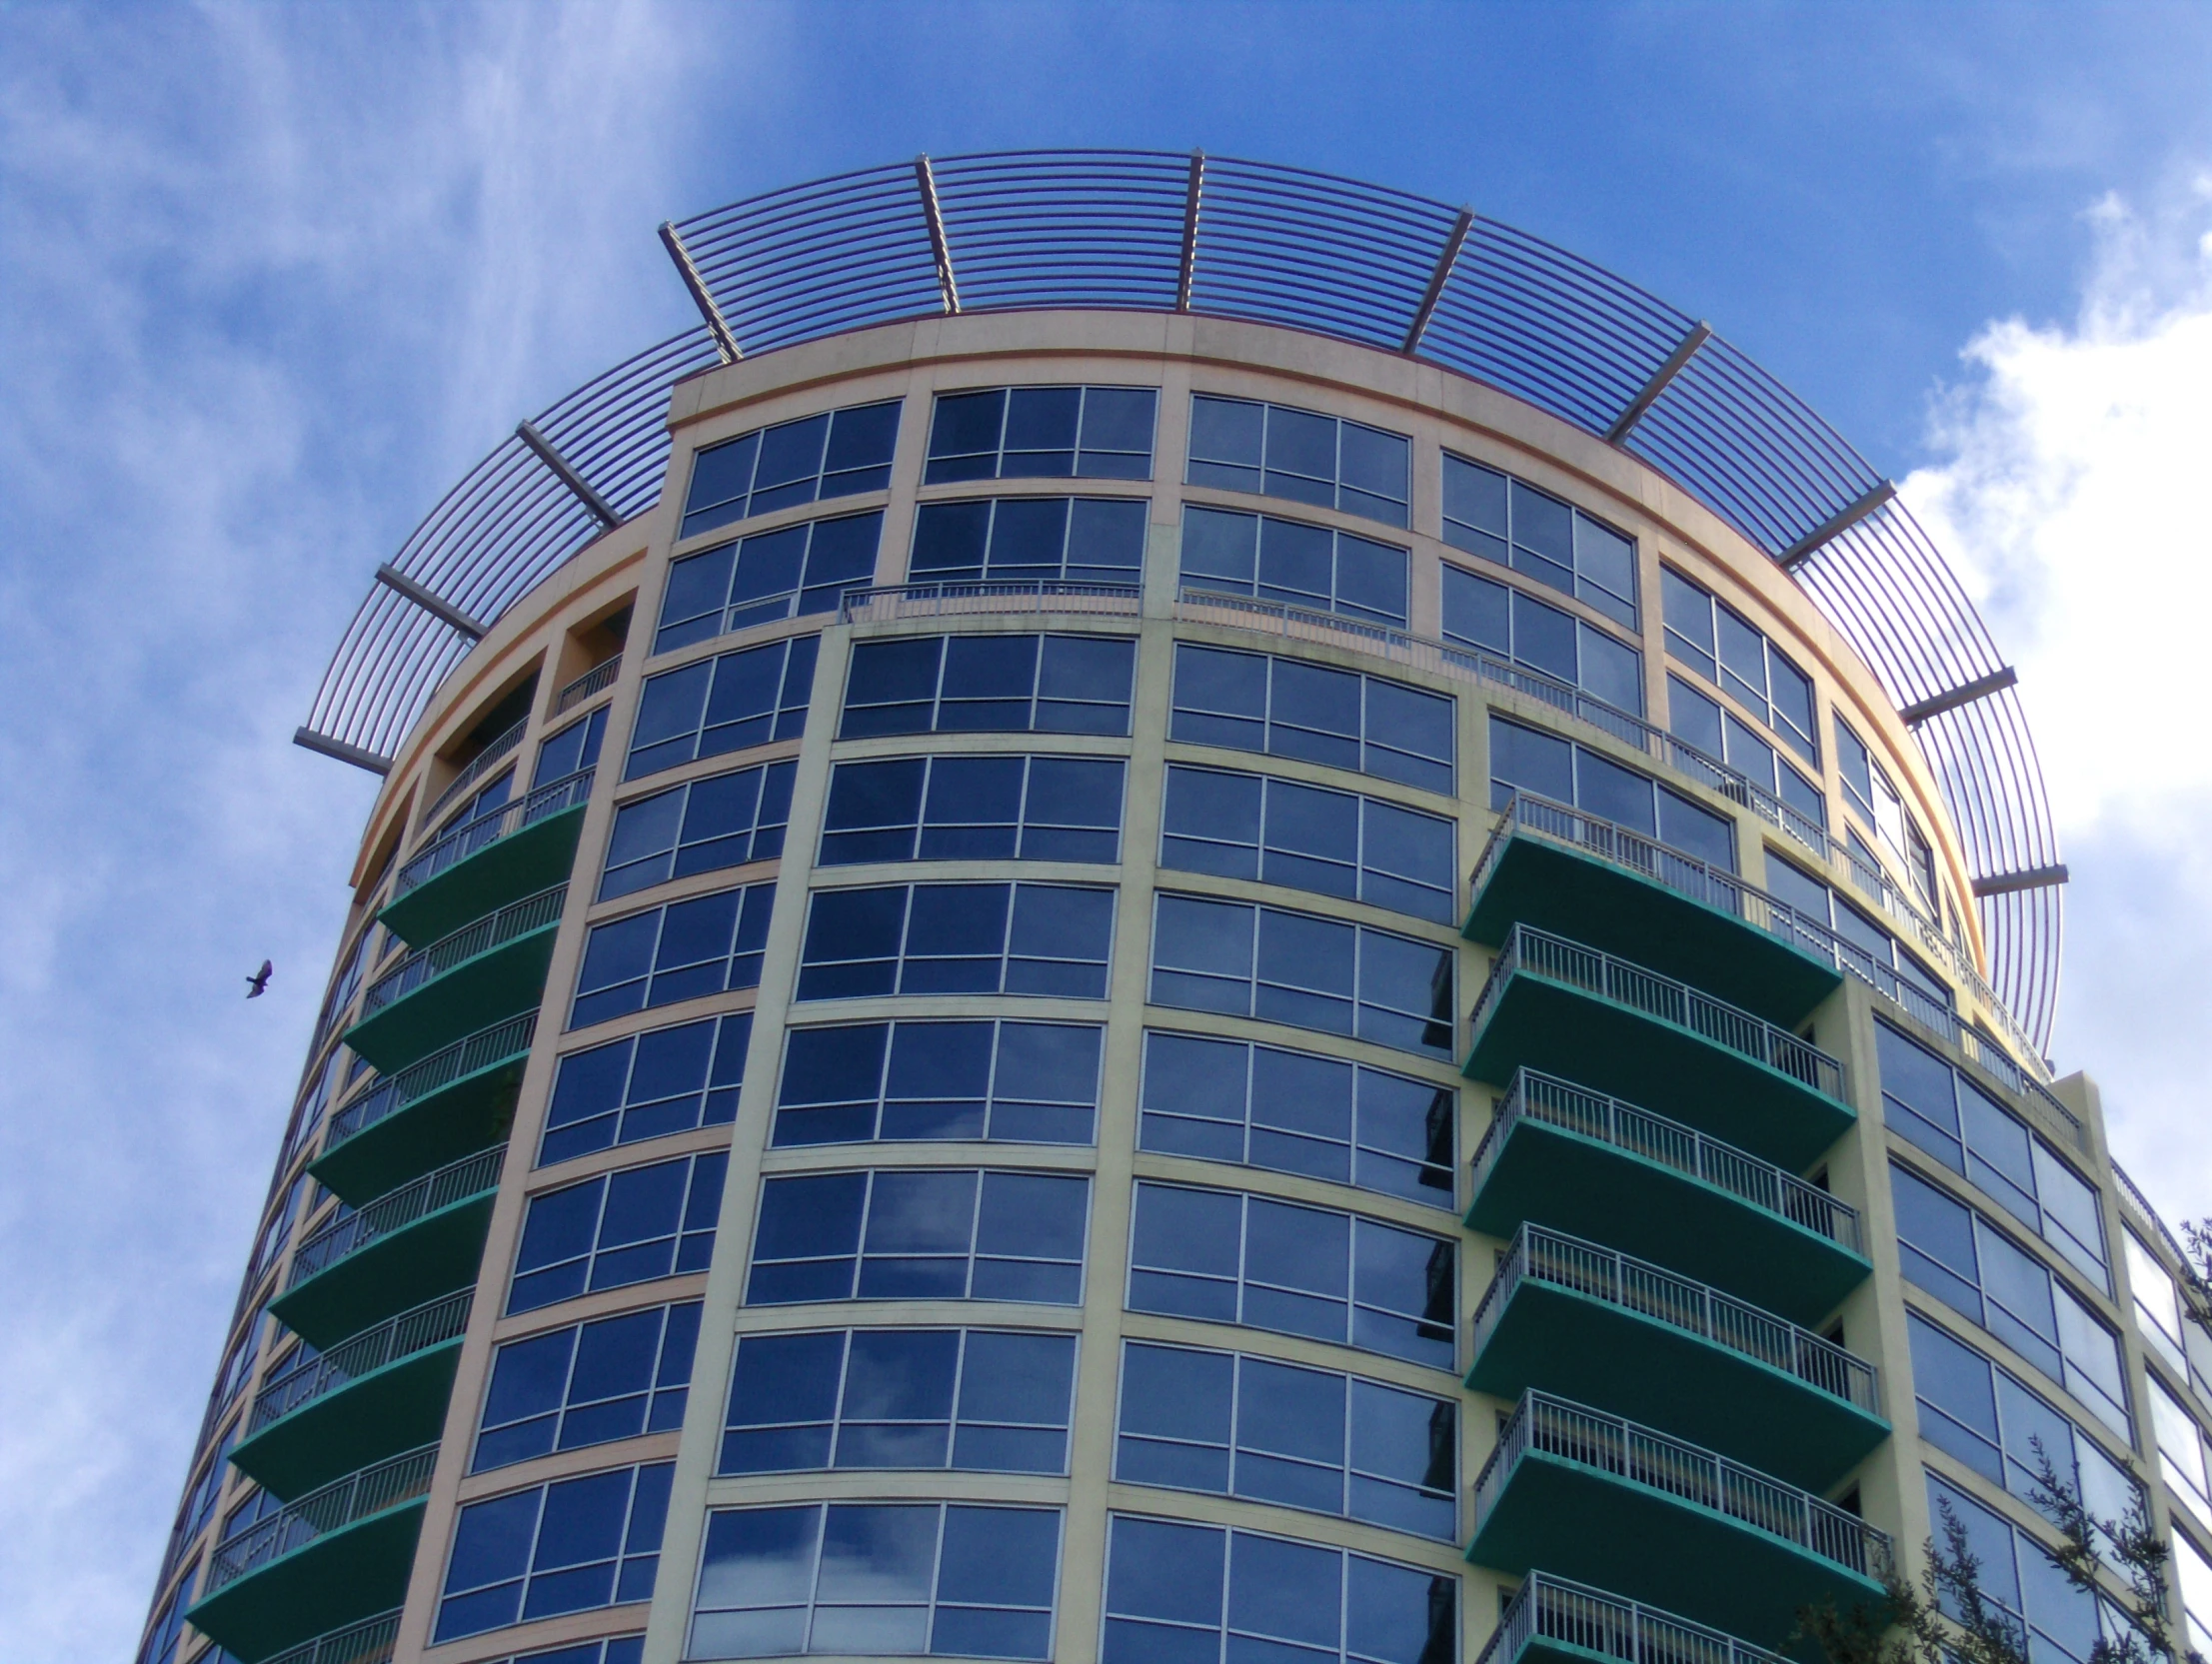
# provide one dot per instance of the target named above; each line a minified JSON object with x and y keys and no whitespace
{"x":1597,"y":1168}
{"x":1569,"y":1317}
{"x":515,"y":851}
{"x":405,"y":1249}
{"x":1564,"y":1010}
{"x":432,"y":1113}
{"x":490,"y":969}
{"x":1606,"y":1501}
{"x":330,"y":1560}
{"x":1554,"y":1621}
{"x":1563,"y":870}
{"x":382,"y":1392}
{"x":372,"y":1641}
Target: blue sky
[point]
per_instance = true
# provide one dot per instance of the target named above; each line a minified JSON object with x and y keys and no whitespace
{"x":271,"y":278}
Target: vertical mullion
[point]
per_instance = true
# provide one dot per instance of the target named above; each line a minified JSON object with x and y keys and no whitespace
{"x":991,"y":535}
{"x":1022,"y":797}
{"x":960,"y":1375}
{"x":990,"y":1097}
{"x":1235,"y":1414}
{"x":1243,"y":1215}
{"x":1005,"y":934}
{"x":905,"y":919}
{"x":1251,"y":1069}
{"x":813,"y":1572}
{"x":860,"y":1259}
{"x":974,"y":1221}
{"x":836,"y":1409}
{"x":882,"y":1083}
{"x":937,"y":686}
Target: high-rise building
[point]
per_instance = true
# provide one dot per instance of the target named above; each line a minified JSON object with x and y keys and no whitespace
{"x":1171,"y":911}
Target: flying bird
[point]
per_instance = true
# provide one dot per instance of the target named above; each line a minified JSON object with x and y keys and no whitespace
{"x":258,"y":984}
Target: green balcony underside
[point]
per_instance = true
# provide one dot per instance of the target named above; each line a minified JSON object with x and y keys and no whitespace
{"x":441,"y":1126}
{"x":1645,"y":1544}
{"x":1620,"y":1362}
{"x":523,"y":862}
{"x":433,"y":1255}
{"x":380,"y":1415}
{"x":1607,"y":1046}
{"x":1588,"y":900}
{"x":1629,"y":1202}
{"x":498,"y":983}
{"x":351,"y":1573}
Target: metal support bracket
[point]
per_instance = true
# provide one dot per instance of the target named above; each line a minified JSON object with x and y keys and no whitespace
{"x":926,"y":181}
{"x":1809,"y":545}
{"x":308,"y":740}
{"x":431,"y":602}
{"x":543,"y":448}
{"x":1190,"y":267}
{"x":1996,"y":681}
{"x":724,"y":342}
{"x":2030,"y":877}
{"x":1684,"y":350}
{"x":1437,"y":278}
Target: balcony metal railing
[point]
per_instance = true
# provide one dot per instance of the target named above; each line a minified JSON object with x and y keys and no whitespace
{"x":1569,"y":1262}
{"x":371,"y":1641}
{"x":600,"y":676}
{"x":889,"y":601}
{"x":479,"y":765}
{"x":440,"y":1069}
{"x":1553,"y":1609}
{"x":425,"y":1195}
{"x":427,"y":1326}
{"x":517,"y":919}
{"x":1555,"y":1103}
{"x":337,"y":1504}
{"x":1544,"y":955}
{"x":486,"y":829}
{"x":1644,"y":1456}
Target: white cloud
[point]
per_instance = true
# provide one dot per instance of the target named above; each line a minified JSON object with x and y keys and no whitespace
{"x":2074,"y":502}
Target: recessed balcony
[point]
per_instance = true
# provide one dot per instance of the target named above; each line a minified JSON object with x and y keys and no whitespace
{"x":1564,"y":1315}
{"x":327,"y":1562}
{"x":453,"y":1101}
{"x":402,"y":1250}
{"x":514,"y":850}
{"x":1566,"y":1010}
{"x":1599,"y":1167}
{"x":1553,"y":1621}
{"x":381,"y":1392}
{"x":1606,"y":1501}
{"x":1597,"y":881}
{"x":492,"y":968}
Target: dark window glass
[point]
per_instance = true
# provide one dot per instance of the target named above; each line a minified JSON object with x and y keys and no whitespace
{"x":618,"y":1228}
{"x":1278,"y":450}
{"x":2063,"y":1624}
{"x":1253,"y":703}
{"x":947,"y":1579}
{"x":1223,"y":1257}
{"x":1526,"y":760}
{"x":815,"y":457}
{"x":727,"y":704}
{"x":973,"y":809}
{"x":703,"y":945}
{"x":1030,"y":938}
{"x":1294,"y":562}
{"x":787,"y":573}
{"x":572,"y":750}
{"x":646,"y":1086}
{"x":917,"y":1234}
{"x":1030,"y":540}
{"x":570,"y":1546}
{"x":1483,"y":613}
{"x":702,"y":826}
{"x":1017,"y":433}
{"x":989,"y":684}
{"x":1699,"y":722}
{"x":1031,"y":1083}
{"x":980,"y":1399}
{"x":1721,"y":647}
{"x":591,"y":1382}
{"x":1493,"y":514}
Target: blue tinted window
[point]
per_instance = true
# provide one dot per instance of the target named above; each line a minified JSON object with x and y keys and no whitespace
{"x":787,"y":573}
{"x":876,"y":1579}
{"x":570,"y":1546}
{"x":707,"y":823}
{"x":647,"y":1086}
{"x":988,"y":683}
{"x":1032,"y":1083}
{"x":1252,"y":702}
{"x":1024,"y":938}
{"x":1030,"y":540}
{"x":573,"y":750}
{"x":618,"y":1228}
{"x":1545,"y":766}
{"x":1295,"y":1112}
{"x":1485,"y":614}
{"x":1015,"y":433}
{"x":726,"y":703}
{"x":836,"y":453}
{"x":1223,"y":1257}
{"x":982,"y":1399}
{"x":1720,"y":646}
{"x":2018,"y":1577}
{"x":586,"y":1384}
{"x":1294,"y":563}
{"x":616,"y":1649}
{"x":1493,"y":514}
{"x":703,"y":945}
{"x":973,"y":809}
{"x":1240,"y":444}
{"x":919,"y":1234}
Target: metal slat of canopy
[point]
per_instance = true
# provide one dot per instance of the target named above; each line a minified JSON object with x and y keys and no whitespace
{"x":1286,"y":246}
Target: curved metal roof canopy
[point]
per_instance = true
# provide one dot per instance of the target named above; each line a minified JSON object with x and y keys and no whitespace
{"x":1169,"y":231}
